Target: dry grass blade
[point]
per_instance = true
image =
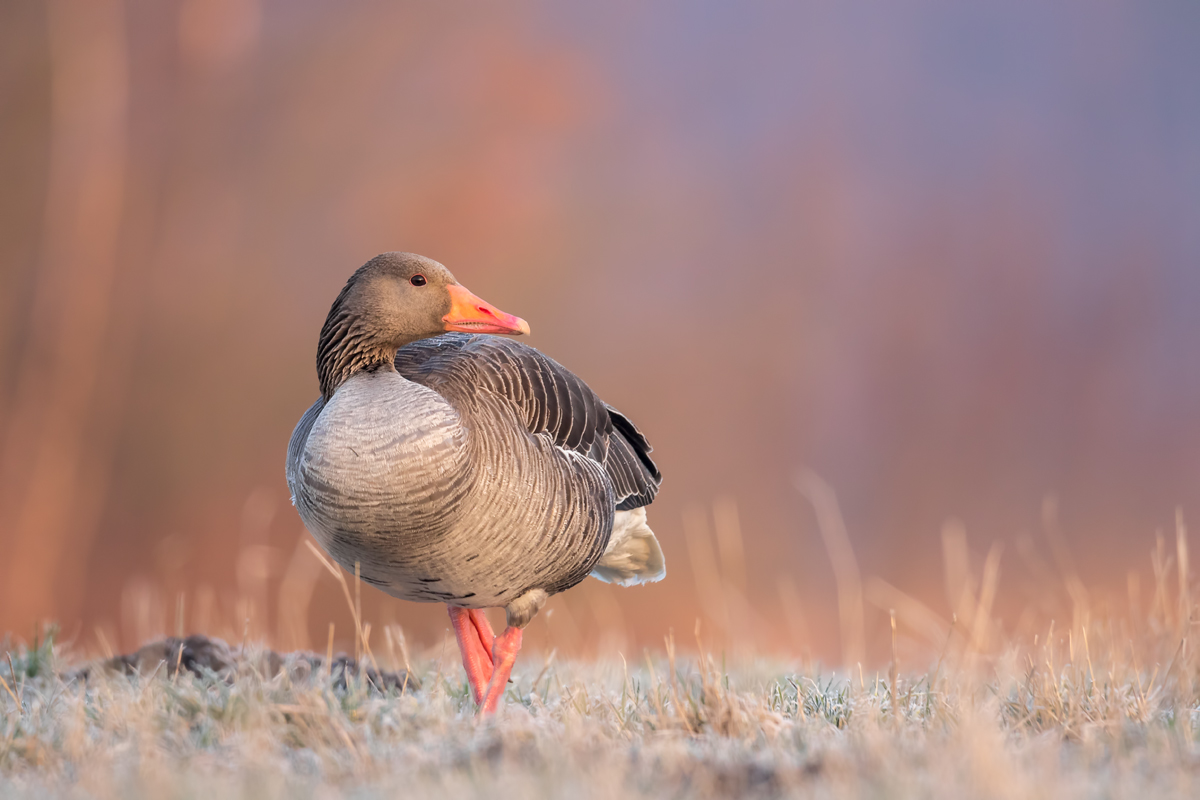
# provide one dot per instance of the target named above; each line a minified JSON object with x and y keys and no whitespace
{"x":341,"y":579}
{"x":359,"y":644}
{"x":894,"y":671}
{"x":542,"y":672}
{"x":12,"y":694}
{"x":669,"y":641}
{"x":391,"y":643}
{"x":329,"y":653}
{"x":13,"y":670}
{"x":845,"y":566}
{"x":652,"y":691}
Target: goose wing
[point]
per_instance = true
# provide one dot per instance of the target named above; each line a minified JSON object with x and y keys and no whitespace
{"x":551,"y":400}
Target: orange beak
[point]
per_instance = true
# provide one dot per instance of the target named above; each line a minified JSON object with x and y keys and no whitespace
{"x":469,"y":313}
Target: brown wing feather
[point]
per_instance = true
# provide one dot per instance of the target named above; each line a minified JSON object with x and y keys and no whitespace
{"x":551,"y":400}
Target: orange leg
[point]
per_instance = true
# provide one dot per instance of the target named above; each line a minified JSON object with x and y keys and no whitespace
{"x":486,"y":637}
{"x":504,"y":655}
{"x":474,"y":636}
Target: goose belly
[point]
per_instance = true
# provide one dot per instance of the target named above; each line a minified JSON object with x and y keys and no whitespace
{"x":394,"y":482}
{"x":380,"y":480}
{"x":537,"y":518}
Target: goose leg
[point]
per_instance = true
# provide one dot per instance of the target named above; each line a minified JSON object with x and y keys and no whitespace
{"x":504,"y":655}
{"x":474,"y":636}
{"x":486,"y":637}
{"x":504,"y":650}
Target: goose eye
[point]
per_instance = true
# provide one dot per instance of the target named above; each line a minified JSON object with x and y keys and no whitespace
{"x":417,"y":280}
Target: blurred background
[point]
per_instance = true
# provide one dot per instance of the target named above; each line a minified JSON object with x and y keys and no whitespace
{"x":904,"y":295}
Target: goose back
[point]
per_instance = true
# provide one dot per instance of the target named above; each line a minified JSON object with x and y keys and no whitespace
{"x":550,"y":399}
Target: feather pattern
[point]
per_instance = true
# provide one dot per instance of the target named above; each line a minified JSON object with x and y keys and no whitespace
{"x":552,"y":400}
{"x":478,"y":472}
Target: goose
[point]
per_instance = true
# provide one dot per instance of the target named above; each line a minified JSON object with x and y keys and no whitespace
{"x":453,"y":466}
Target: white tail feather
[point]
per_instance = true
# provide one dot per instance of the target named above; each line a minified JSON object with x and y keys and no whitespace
{"x":633,"y":555}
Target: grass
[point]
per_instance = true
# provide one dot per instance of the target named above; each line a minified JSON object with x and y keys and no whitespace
{"x":1032,"y":723}
{"x":1107,"y":706}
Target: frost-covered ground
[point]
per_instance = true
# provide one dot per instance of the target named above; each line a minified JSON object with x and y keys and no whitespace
{"x":1117,"y":720}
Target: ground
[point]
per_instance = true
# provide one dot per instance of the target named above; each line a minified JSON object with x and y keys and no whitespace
{"x":1019,"y":723}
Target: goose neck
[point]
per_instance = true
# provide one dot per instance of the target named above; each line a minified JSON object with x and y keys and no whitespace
{"x":347,"y":346}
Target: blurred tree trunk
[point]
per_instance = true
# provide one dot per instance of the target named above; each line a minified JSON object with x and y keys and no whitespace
{"x":52,"y":480}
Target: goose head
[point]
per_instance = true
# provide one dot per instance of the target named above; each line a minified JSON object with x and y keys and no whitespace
{"x":392,"y":300}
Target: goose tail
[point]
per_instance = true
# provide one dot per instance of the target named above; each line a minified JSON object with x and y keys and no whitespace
{"x":633,"y":555}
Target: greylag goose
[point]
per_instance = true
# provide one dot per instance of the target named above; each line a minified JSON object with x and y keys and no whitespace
{"x":456,"y":467}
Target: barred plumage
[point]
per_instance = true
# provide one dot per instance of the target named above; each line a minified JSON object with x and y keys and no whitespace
{"x":464,"y":468}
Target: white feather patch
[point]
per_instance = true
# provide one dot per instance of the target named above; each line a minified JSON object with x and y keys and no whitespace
{"x":633,"y":555}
